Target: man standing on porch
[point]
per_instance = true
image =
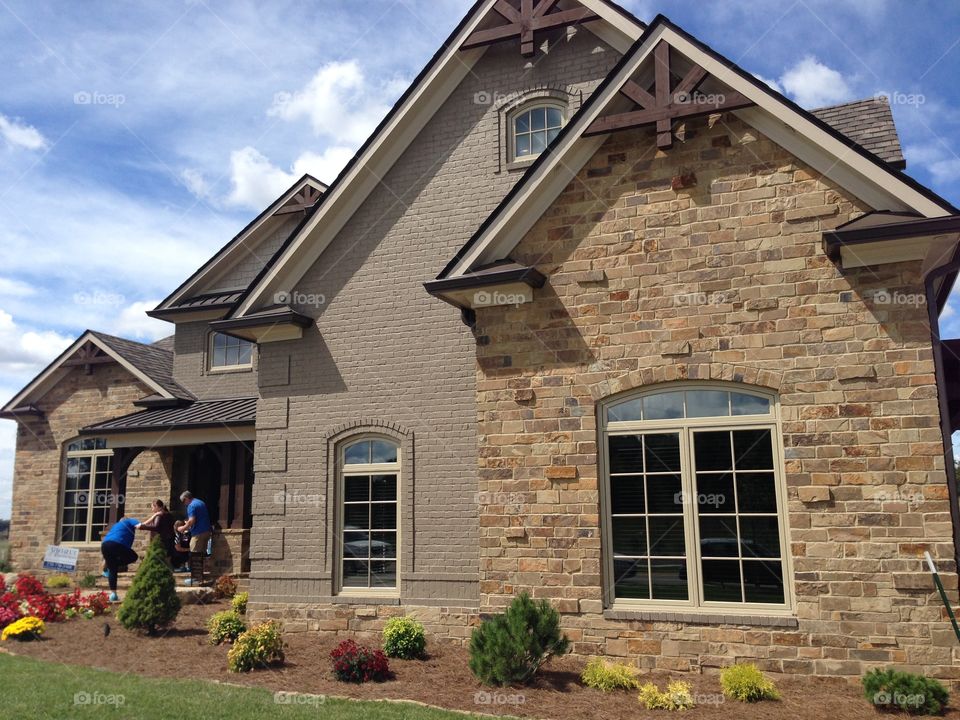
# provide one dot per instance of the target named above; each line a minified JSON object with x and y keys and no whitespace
{"x":198,"y":522}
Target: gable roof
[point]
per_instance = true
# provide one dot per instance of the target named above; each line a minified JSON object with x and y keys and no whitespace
{"x":800,"y":132}
{"x":870,"y":124}
{"x":151,"y":364}
{"x":193,"y":290}
{"x":419,"y":102}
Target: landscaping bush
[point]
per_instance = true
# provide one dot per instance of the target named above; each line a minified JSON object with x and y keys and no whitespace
{"x":356,"y":663}
{"x":225,"y":626}
{"x":606,"y":676}
{"x":225,"y":587}
{"x":26,"y":628}
{"x":676,"y":697}
{"x":903,"y":691}
{"x":8,"y":615}
{"x":152,"y":600}
{"x":56,"y":582}
{"x":404,"y":637}
{"x":88,"y":581}
{"x":257,"y":647}
{"x":511,"y":647}
{"x":5,"y":566}
{"x":239,"y":603}
{"x":744,"y":682}
{"x":27,"y":585}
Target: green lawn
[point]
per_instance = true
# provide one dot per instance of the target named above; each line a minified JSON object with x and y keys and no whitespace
{"x":35,"y":690}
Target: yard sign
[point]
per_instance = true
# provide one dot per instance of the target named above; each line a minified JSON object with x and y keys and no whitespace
{"x":60,"y":558}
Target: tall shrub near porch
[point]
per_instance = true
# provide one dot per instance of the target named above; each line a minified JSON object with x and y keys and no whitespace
{"x":152,"y":601}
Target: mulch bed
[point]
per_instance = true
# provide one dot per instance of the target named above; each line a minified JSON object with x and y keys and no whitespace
{"x":443,"y":679}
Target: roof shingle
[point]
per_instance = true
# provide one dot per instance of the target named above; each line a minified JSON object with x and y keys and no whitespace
{"x":869,"y":123}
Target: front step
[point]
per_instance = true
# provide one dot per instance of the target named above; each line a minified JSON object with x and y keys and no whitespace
{"x":124,"y":580}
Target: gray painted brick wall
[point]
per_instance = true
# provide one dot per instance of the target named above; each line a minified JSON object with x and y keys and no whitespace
{"x":385,"y":351}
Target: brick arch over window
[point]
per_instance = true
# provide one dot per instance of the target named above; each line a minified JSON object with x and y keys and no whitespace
{"x":715,"y":372}
{"x":342,"y":434}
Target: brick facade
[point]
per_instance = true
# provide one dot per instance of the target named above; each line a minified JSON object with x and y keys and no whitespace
{"x":386,"y":357}
{"x":653,"y":279}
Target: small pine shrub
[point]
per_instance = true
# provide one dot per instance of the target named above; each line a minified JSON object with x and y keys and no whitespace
{"x":511,"y":647}
{"x":404,"y":637}
{"x":903,"y":691}
{"x":606,"y":676}
{"x":744,"y":682}
{"x":152,"y":600}
{"x":239,"y":603}
{"x":225,"y":587}
{"x":26,"y":628}
{"x":677,"y":696}
{"x":5,"y":566}
{"x":87,"y":582}
{"x":258,"y":647}
{"x":57,"y":582}
{"x":225,"y":626}
{"x":356,"y":663}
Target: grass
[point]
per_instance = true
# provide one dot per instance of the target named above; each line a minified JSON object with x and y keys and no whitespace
{"x":48,"y":691}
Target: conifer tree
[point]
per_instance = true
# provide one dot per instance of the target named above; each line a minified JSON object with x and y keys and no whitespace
{"x":152,"y":600}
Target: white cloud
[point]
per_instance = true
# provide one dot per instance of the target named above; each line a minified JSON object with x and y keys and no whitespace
{"x":10,"y":287}
{"x":134,"y":323}
{"x":339,"y":102}
{"x":256,"y":182}
{"x":938,"y":160}
{"x":19,"y":134}
{"x":8,"y":443}
{"x":23,"y":350}
{"x":812,"y":84}
{"x":195,"y":183}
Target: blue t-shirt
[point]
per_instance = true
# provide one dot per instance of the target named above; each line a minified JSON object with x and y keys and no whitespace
{"x":197,"y":509}
{"x":123,"y":532}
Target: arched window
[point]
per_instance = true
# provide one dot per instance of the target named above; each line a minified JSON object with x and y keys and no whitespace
{"x":87,"y":487}
{"x":229,"y":353}
{"x":369,"y":481}
{"x":695,"y":499}
{"x":533,"y":128}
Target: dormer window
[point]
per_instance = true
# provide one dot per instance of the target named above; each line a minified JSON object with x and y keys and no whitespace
{"x":534,"y":127}
{"x":230,"y":353}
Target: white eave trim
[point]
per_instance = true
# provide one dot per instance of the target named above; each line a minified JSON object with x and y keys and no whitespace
{"x":54,"y":372}
{"x":879,"y":188}
{"x":376,"y":160}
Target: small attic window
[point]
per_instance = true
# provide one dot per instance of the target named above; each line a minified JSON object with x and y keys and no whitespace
{"x":533,"y":128}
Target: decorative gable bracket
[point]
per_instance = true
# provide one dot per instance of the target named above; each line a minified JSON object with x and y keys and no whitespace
{"x":525,"y":20}
{"x":301,"y":202}
{"x":665,"y":102}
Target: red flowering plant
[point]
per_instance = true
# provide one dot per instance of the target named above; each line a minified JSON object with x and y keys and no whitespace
{"x":46,"y":607}
{"x":3,"y":585}
{"x":28,"y":585}
{"x":356,"y":663}
{"x":8,"y":615}
{"x":96,"y":603}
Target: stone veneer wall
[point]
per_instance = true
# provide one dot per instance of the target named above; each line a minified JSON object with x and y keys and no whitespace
{"x":725,"y":280}
{"x":77,"y":400}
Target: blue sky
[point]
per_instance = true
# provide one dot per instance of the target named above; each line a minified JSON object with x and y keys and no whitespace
{"x":137,"y":138}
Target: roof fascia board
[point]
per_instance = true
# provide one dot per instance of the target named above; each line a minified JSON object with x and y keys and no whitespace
{"x":224,"y":258}
{"x":54,"y":372}
{"x":177,"y":436}
{"x":349,"y":193}
{"x":880,"y":187}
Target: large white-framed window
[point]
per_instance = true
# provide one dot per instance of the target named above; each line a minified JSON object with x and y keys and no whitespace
{"x":229,"y":353}
{"x":533,"y":127}
{"x":369,"y":528}
{"x":695,"y":500}
{"x":87,"y":488}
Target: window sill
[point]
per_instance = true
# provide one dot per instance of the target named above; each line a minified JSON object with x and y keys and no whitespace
{"x":233,"y":369}
{"x":366,"y":600}
{"x":696,"y":617}
{"x":518,"y":165}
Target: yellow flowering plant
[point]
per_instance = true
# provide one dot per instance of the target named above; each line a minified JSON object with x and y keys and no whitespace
{"x":27,"y":628}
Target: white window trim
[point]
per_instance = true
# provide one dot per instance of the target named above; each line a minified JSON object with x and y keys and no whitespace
{"x":344,"y":471}
{"x":93,"y":455}
{"x":686,"y":427}
{"x":513,"y":161}
{"x":211,"y":368}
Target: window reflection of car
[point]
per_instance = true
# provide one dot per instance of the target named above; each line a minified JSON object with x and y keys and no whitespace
{"x":357,"y":549}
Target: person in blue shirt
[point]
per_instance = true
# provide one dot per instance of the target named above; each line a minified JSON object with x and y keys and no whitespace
{"x":198,"y":525}
{"x":117,"y":550}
